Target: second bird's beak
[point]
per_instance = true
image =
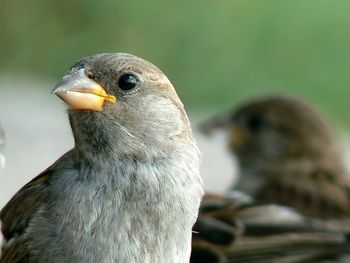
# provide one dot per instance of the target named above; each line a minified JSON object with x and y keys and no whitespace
{"x":220,"y":122}
{"x":82,"y":93}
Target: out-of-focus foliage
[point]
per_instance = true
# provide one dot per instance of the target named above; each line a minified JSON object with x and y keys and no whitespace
{"x":215,"y":52}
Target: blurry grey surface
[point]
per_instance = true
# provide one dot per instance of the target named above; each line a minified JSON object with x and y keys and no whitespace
{"x":2,"y":146}
{"x":38,"y":133}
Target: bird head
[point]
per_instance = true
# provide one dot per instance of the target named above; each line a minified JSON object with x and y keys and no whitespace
{"x":274,"y":128}
{"x":121,"y":104}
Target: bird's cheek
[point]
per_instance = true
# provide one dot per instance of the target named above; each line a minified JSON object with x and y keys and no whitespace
{"x":238,"y":138}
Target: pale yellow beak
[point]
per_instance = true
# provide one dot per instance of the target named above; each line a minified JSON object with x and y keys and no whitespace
{"x":82,"y":93}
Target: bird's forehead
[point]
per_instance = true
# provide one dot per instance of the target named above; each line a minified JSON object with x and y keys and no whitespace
{"x":110,"y":63}
{"x":287,"y":113}
{"x":273,"y":109}
{"x":116,"y":62}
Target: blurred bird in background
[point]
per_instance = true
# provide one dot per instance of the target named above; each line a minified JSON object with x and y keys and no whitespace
{"x":288,"y":155}
{"x":129,"y":190}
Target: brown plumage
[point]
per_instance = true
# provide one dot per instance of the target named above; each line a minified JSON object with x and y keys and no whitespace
{"x":231,"y":230}
{"x":287,"y":154}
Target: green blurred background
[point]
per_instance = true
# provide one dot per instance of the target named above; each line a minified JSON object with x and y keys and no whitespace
{"x":215,"y":52}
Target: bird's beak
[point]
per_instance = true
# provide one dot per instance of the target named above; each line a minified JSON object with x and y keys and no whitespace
{"x":220,"y":122}
{"x":223,"y":127}
{"x":82,"y":93}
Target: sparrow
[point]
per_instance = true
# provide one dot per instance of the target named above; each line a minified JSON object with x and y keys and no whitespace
{"x":234,"y":229}
{"x":287,"y":154}
{"x":129,"y":190}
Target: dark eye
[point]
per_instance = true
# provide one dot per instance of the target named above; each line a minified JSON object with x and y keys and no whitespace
{"x":127,"y":82}
{"x":255,"y":123}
